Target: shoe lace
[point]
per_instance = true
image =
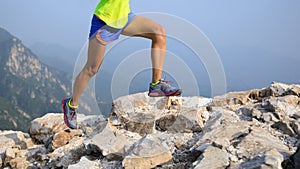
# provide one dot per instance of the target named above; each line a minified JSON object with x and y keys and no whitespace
{"x":73,"y":114}
{"x":166,"y":83}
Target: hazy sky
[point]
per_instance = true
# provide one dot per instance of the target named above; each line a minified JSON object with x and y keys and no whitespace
{"x":235,"y":27}
{"x":271,"y":24}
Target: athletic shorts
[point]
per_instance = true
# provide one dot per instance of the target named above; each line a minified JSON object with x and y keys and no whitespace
{"x":104,"y":33}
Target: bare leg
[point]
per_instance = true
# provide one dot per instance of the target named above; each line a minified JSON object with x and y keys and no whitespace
{"x":144,"y":27}
{"x":95,"y":57}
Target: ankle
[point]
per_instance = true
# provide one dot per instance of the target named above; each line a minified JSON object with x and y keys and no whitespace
{"x":71,"y":104}
{"x":155,"y":83}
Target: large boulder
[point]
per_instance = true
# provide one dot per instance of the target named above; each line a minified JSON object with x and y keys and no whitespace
{"x":226,"y":135}
{"x":213,"y":158}
{"x":42,"y":129}
{"x":269,"y":159}
{"x":51,"y":131}
{"x":186,"y":120}
{"x":113,"y":143}
{"x":148,"y":152}
{"x":143,"y":114}
{"x":68,"y":154}
{"x":260,"y":140}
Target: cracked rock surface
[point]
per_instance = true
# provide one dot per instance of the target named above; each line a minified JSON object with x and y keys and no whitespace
{"x":258,"y":128}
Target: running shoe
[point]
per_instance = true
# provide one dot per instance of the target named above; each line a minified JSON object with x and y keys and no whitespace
{"x":163,"y":88}
{"x":70,"y":113}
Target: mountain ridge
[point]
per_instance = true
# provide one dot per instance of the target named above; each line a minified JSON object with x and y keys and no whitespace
{"x":29,"y":85}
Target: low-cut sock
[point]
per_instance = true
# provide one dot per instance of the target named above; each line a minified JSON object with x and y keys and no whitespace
{"x":70,"y":105}
{"x":154,"y":84}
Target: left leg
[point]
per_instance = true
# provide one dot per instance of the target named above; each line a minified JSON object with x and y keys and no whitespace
{"x":144,"y":27}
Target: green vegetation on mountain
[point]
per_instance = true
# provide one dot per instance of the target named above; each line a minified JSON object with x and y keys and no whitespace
{"x":28,"y":88}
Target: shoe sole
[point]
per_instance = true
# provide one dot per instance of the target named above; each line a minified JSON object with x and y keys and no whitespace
{"x":63,"y":105}
{"x":177,"y":93}
{"x":160,"y":94}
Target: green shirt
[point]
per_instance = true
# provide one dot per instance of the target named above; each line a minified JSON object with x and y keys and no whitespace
{"x":113,"y":12}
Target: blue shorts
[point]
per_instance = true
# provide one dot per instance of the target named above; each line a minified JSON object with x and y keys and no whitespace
{"x":104,"y":33}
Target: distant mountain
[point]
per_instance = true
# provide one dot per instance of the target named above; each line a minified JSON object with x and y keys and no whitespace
{"x":55,"y":55}
{"x":28,"y":88}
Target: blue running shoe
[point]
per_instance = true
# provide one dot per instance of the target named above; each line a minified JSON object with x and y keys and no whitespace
{"x":70,"y":113}
{"x":163,"y":88}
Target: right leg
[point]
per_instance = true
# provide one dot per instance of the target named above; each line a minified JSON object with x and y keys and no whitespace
{"x":95,"y":57}
{"x":147,"y":28}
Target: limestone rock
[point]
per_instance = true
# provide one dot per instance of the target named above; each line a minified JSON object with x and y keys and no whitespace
{"x":296,"y":127}
{"x":10,"y":153}
{"x":42,"y":129}
{"x":23,"y":158}
{"x":279,"y":89}
{"x":248,"y":129}
{"x":269,"y":117}
{"x":68,"y":154}
{"x":112,"y":142}
{"x":294,"y":90}
{"x":258,"y":141}
{"x":15,"y":138}
{"x":85,"y":163}
{"x":276,"y":89}
{"x":141,"y":123}
{"x":221,"y":116}
{"x":63,"y":137}
{"x":146,"y":153}
{"x":285,"y":106}
{"x":270,"y":159}
{"x":92,"y":124}
{"x":9,"y":141}
{"x":225,"y":135}
{"x":213,"y":158}
{"x":245,"y":113}
{"x":273,"y":158}
{"x":187,"y":120}
{"x":5,"y":143}
{"x":232,"y":98}
{"x":33,"y":154}
{"x":194,"y":102}
{"x":111,"y":164}
{"x":20,"y":163}
{"x":51,"y":131}
{"x":139,"y":113}
{"x":285,"y":127}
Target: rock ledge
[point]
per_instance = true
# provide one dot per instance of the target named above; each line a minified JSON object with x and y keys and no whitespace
{"x":250,"y":129}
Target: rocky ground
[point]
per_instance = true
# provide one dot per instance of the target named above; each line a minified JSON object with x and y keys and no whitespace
{"x":250,"y":129}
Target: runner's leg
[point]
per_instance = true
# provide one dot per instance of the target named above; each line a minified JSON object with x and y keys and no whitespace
{"x":144,"y":27}
{"x":95,"y":57}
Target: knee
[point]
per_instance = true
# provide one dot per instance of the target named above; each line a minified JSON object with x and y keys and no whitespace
{"x":159,"y":35}
{"x":91,"y":70}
